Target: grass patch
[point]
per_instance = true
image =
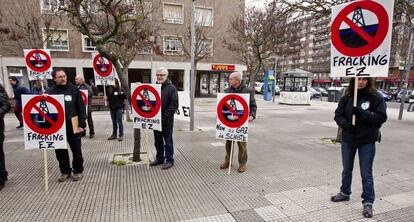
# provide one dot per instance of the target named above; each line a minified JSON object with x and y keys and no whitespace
{"x":328,"y":140}
{"x":118,"y":162}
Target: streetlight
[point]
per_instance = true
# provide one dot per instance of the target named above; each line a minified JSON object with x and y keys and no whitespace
{"x":192,"y":74}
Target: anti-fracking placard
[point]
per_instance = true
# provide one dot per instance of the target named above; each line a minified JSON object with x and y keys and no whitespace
{"x":44,"y":122}
{"x":361,"y":38}
{"x":232,"y":116}
{"x":84,"y":94}
{"x":38,"y":63}
{"x":146,"y":106}
{"x":183,"y":110}
{"x":103,"y":69}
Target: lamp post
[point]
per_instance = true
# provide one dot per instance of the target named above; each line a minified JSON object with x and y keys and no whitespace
{"x":192,"y":74}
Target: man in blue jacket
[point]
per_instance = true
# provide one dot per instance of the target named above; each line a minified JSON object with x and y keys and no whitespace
{"x":18,"y":91}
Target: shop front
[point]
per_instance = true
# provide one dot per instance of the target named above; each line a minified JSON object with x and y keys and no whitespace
{"x":211,"y":82}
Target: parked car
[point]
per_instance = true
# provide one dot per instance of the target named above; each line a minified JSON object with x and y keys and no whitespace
{"x":259,"y":88}
{"x":407,"y":96}
{"x":321,"y":90}
{"x":314,"y":93}
{"x":384,"y":94}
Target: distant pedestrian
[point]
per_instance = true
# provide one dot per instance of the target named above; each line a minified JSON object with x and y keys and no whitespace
{"x":237,"y":86}
{"x":411,"y":101}
{"x":4,"y":108}
{"x":18,"y":91}
{"x":116,"y":100}
{"x":81,"y":85}
{"x":370,"y":115}
{"x":38,"y":88}
{"x":169,"y":104}
{"x":73,"y":109}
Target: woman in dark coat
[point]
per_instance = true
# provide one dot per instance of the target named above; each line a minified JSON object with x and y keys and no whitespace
{"x":370,"y":114}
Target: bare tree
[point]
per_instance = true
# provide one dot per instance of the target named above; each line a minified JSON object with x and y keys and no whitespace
{"x":256,"y":34}
{"x":120,"y":30}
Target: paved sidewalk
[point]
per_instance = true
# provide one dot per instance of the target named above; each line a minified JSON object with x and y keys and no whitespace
{"x":292,"y":171}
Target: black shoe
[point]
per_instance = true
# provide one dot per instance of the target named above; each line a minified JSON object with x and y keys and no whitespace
{"x":112,"y":137}
{"x":91,"y":136}
{"x":167,"y":165}
{"x":156,"y":162}
{"x":340,"y":197}
{"x":367,"y":210}
{"x":19,"y":126}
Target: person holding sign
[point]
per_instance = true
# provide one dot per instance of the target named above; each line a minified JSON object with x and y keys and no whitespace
{"x":82,"y":85}
{"x":370,"y":114}
{"x":169,"y":104}
{"x":75,"y":124}
{"x":18,"y":91}
{"x":4,"y":108}
{"x":237,"y":86}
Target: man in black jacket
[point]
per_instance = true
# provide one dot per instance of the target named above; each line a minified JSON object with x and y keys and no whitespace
{"x":169,"y":104}
{"x":4,"y":108}
{"x":237,"y":86}
{"x":73,"y":107}
{"x":82,"y":85}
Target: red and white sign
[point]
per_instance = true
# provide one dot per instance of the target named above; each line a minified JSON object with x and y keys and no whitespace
{"x":84,"y":94}
{"x":361,"y":38}
{"x":232,"y":116}
{"x":146,"y":106}
{"x":44,"y":122}
{"x":38,"y":63}
{"x":103,"y":69}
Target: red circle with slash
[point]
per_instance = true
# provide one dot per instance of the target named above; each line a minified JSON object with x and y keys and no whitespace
{"x":373,"y":42}
{"x":97,"y":60}
{"x":44,"y":63}
{"x":56,"y":126}
{"x":84,"y":97}
{"x":241,"y":119}
{"x":155,"y":109}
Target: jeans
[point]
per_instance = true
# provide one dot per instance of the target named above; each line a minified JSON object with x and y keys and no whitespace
{"x":116,"y":116}
{"x":164,"y":143}
{"x":242,"y":151}
{"x":3,"y":171}
{"x":62,"y":155}
{"x":366,"y":154}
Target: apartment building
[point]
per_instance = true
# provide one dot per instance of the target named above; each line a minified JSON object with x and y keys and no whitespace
{"x":72,"y":51}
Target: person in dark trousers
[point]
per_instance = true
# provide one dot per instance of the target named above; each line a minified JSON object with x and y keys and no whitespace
{"x":18,"y":91}
{"x":370,"y":114}
{"x":82,"y":85}
{"x":73,"y":107}
{"x":411,"y":101}
{"x":116,"y":100}
{"x":237,"y":86}
{"x":169,"y":104}
{"x":38,"y":89}
{"x":4,"y":108}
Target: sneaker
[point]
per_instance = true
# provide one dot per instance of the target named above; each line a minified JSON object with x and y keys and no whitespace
{"x":19,"y":126}
{"x":63,"y":177}
{"x":120,"y":138}
{"x":242,"y":168}
{"x":156,"y":162}
{"x":77,"y":176}
{"x":112,"y":137}
{"x":224,"y":166}
{"x":367,"y":210}
{"x":340,"y":197}
{"x":91,"y":136}
{"x":167,"y":165}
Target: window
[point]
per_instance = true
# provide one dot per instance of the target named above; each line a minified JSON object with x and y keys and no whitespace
{"x":204,"y":16}
{"x":172,"y":45}
{"x":52,"y":6}
{"x":173,"y":13}
{"x":206,"y":47}
{"x":57,"y":39}
{"x":87,"y":45}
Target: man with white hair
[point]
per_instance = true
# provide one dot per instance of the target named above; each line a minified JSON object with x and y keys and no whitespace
{"x":237,"y":86}
{"x":82,"y":85}
{"x":169,"y":104}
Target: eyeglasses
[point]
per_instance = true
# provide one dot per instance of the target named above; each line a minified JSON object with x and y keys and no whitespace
{"x":160,"y":74}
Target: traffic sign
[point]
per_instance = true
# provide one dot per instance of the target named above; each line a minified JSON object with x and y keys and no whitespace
{"x":84,"y":94}
{"x":233,"y":111}
{"x":38,"y":63}
{"x":102,"y":66}
{"x":232,"y":116}
{"x":146,"y":104}
{"x":361,"y":34}
{"x":44,"y":122}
